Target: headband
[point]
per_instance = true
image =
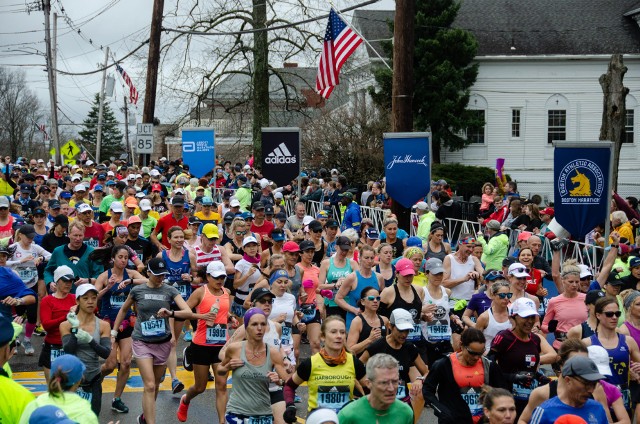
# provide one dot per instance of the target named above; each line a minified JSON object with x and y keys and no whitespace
{"x":467,"y":240}
{"x":628,"y":301}
{"x":251,"y":312}
{"x":409,"y":252}
{"x":279,"y":273}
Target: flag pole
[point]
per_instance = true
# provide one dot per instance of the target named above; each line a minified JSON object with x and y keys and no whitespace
{"x":361,"y":36}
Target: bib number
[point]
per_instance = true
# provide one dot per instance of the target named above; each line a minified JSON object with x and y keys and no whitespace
{"x":401,"y":393}
{"x":153,"y":328}
{"x":216,"y":335}
{"x":472,"y":401}
{"x":84,"y":395}
{"x":266,"y":419}
{"x":117,"y":301}
{"x":55,"y":353}
{"x":333,"y":397}
{"x":414,"y":335}
{"x":27,"y":275}
{"x":184,"y":290}
{"x":522,"y":392}
{"x":438,"y":333}
{"x":286,"y":334}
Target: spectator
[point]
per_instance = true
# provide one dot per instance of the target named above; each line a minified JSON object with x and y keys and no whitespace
{"x":425,"y":219}
{"x":497,"y":248}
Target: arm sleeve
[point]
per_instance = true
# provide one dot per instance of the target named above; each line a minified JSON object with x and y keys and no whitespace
{"x":430,"y":387}
{"x":70,"y":343}
{"x":103,"y":349}
{"x":289,"y":392}
{"x":304,"y":369}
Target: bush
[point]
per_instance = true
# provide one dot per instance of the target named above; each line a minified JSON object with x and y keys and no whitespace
{"x":464,"y":180}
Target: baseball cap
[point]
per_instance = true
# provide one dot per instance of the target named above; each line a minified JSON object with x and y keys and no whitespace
{"x":83,"y":207}
{"x":518,"y":270}
{"x":210,"y":231}
{"x":322,"y":416}
{"x":343,"y":243}
{"x":156,"y":266}
{"x":615,"y":279}
{"x":249,"y":240}
{"x":322,"y":214}
{"x":290,"y":246}
{"x":61,"y":220}
{"x":332,"y":223}
{"x":216,"y":268}
{"x":281,"y":216}
{"x":76,"y":177}
{"x":423,"y":206}
{"x":315,"y":225}
{"x":135,"y":219}
{"x":434,"y":266}
{"x":49,"y":414}
{"x":493,"y":225}
{"x":194,"y":220}
{"x":145,"y":205}
{"x":111,"y":174}
{"x":307,"y":245}
{"x":63,"y":272}
{"x":346,"y":194}
{"x":178,"y":191}
{"x":25,"y":188}
{"x":523,"y":307}
{"x":84,"y":289}
{"x":585,"y":271}
{"x":28,"y":230}
{"x":131,"y":202}
{"x":140,"y":194}
{"x":98,"y":187}
{"x":117,"y":207}
{"x":277,"y":235}
{"x":278,"y":195}
{"x":246,"y":215}
{"x":8,"y":331}
{"x":259,"y":293}
{"x":234,"y":203}
{"x":414,"y":242}
{"x":66,"y":195}
{"x":508,"y":261}
{"x":71,"y":366}
{"x":581,"y":366}
{"x":593,"y":296}
{"x":156,"y":187}
{"x":53,"y":204}
{"x":207,"y":201}
{"x":569,"y":419}
{"x":600,"y":357}
{"x":268,"y":210}
{"x":524,"y":236}
{"x":102,"y":176}
{"x":402,"y":319}
{"x":404,"y":267}
{"x":110,"y":183}
{"x":79,"y":187}
{"x":39,"y":211}
{"x":177,"y":201}
{"x":228,"y":217}
{"x":4,"y":202}
{"x":373,"y":234}
{"x":547,"y":211}
{"x":634,"y":262}
{"x":257,"y":206}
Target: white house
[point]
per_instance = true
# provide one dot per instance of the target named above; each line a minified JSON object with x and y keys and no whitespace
{"x":538,"y":80}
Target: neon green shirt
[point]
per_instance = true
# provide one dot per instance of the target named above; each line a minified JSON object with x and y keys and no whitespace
{"x":14,"y":398}
{"x":76,"y":408}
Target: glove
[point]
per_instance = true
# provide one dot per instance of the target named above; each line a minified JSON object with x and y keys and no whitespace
{"x":73,"y":320}
{"x":553,"y":325}
{"x":290,"y":414}
{"x":523,"y":379}
{"x":83,"y":336}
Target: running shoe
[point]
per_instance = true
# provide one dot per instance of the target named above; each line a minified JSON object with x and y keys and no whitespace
{"x":186,"y":359}
{"x":183,"y":410}
{"x":188,"y":336}
{"x":118,"y":405}
{"x":176,"y":386}
{"x":141,"y":420}
{"x":39,"y":331}
{"x":28,"y":348}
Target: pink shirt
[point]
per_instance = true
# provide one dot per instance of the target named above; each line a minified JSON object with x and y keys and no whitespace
{"x":568,"y":311}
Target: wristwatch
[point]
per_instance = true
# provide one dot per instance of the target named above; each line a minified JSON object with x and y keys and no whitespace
{"x":114,"y":333}
{"x":74,"y":330}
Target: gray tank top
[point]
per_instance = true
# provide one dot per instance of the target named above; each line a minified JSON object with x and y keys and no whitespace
{"x":250,"y":393}
{"x":89,"y":356}
{"x":296,"y":283}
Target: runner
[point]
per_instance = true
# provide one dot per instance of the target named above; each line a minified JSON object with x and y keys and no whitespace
{"x":284,"y":308}
{"x":310,"y":299}
{"x":368,"y":326}
{"x":113,"y":288}
{"x":87,"y":337}
{"x":333,"y":272}
{"x":247,"y":274}
{"x":498,"y":406}
{"x":384,"y":267}
{"x":496,"y":318}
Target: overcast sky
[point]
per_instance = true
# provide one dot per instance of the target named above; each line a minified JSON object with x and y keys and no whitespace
{"x":119,"y":24}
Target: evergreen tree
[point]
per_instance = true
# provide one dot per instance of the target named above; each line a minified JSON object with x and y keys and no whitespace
{"x":443,"y":74}
{"x":111,"y":144}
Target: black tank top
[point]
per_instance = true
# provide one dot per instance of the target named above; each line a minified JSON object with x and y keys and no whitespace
{"x":366,"y":329}
{"x":236,"y":250}
{"x":553,"y":388}
{"x":318,"y":255}
{"x":586,"y":330}
{"x":431,"y":254}
{"x":397,"y":247}
{"x":414,"y":307}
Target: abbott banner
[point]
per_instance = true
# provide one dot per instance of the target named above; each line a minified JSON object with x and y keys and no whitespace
{"x":407,"y":161}
{"x":281,"y":154}
{"x":582,"y":189}
{"x":198,"y":150}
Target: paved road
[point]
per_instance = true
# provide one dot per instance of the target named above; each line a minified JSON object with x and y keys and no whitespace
{"x":202,"y":408}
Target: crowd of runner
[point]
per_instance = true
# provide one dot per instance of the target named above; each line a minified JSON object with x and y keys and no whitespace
{"x":112,"y":263}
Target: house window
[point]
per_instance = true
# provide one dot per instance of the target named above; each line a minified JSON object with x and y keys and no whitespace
{"x":475,"y":134}
{"x":628,"y":127}
{"x":515,"y":123}
{"x":556,"y":125}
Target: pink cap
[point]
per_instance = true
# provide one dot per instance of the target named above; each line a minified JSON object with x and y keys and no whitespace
{"x":290,"y":246}
{"x":404,"y":267}
{"x":524,"y":236}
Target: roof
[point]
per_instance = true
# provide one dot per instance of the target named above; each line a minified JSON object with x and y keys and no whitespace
{"x":543,"y":27}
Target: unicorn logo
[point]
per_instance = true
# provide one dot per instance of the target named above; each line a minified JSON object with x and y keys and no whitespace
{"x":583,"y":187}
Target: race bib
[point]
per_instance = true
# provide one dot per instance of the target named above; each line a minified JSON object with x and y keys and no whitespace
{"x":184,"y":290}
{"x":401,"y":393}
{"x":265,"y":419}
{"x":56,"y":353}
{"x":27,"y":275}
{"x":626,"y":397}
{"x":217,"y":334}
{"x":117,"y":301}
{"x":438,"y":332}
{"x":84,"y":395}
{"x":471,"y":398}
{"x":153,"y":328}
{"x":414,"y":334}
{"x":286,"y":334}
{"x":522,"y":392}
{"x":333,"y":397}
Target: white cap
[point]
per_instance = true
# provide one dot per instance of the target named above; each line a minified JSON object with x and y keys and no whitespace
{"x":40,"y":160}
{"x":247,"y":167}
{"x":4,"y":202}
{"x":216,"y":269}
{"x":423,"y":206}
{"x":306,"y":220}
{"x":62,"y":271}
{"x":322,"y":416}
{"x":249,"y":239}
{"x":523,"y":307}
{"x":131,"y":177}
{"x":585,"y":272}
{"x":154,"y":173}
{"x":178,"y":191}
{"x":89,"y":162}
{"x":84,"y":289}
{"x":79,"y":187}
{"x":600,"y":357}
{"x":83,"y":207}
{"x":278,"y":195}
{"x":518,"y":270}
{"x":76,"y":177}
{"x":234,"y":203}
{"x":163,"y":159}
{"x":264,"y":183}
{"x":145,"y":205}
{"x":117,"y":207}
{"x":140,"y":194}
{"x":110,"y":174}
{"x":138,"y":176}
{"x":402,"y":319}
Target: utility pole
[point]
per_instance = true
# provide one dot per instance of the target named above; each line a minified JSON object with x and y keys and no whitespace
{"x":402,"y":89}
{"x":260,"y":77}
{"x":46,"y":6}
{"x":152,"y":69}
{"x":101,"y":105}
{"x":126,"y":128}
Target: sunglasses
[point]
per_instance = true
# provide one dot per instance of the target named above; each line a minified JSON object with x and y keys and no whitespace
{"x":3,"y":208}
{"x":494,"y":274}
{"x":505,"y":295}
{"x":316,"y":231}
{"x":241,"y":233}
{"x":610,"y":314}
{"x":265,"y":301}
{"x":523,"y":269}
{"x":372,"y":298}
{"x":473,"y":352}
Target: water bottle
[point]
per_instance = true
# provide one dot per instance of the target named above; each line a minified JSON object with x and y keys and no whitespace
{"x":215,"y":308}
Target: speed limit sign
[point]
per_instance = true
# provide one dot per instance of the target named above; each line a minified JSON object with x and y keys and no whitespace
{"x":144,"y":139}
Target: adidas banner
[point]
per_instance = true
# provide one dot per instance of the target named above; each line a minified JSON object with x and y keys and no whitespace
{"x":582,"y":185}
{"x":407,"y":161}
{"x":281,"y":154}
{"x":198,"y":150}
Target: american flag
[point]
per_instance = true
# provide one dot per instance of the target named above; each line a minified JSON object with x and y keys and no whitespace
{"x":133,"y":93}
{"x":43,"y":130}
{"x":340,"y":41}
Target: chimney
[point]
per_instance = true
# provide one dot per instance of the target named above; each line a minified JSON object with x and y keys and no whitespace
{"x":290,"y":65}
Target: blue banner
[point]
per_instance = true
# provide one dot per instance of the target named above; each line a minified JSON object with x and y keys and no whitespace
{"x":198,"y":150}
{"x":581,"y":175}
{"x":407,"y":161}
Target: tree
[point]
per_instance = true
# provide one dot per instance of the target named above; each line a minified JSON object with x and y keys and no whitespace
{"x":111,"y":144}
{"x":20,"y":111}
{"x":443,"y":74}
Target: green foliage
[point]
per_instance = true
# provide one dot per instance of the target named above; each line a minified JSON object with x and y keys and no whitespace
{"x":464,"y":180}
{"x":443,"y":74}
{"x":111,"y":143}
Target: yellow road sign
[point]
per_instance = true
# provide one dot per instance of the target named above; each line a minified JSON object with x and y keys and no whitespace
{"x":52,"y":152}
{"x":70,"y":149}
{"x":69,"y":161}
